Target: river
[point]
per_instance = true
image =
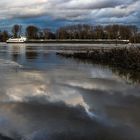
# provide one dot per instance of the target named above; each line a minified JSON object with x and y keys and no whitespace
{"x":46,"y":97}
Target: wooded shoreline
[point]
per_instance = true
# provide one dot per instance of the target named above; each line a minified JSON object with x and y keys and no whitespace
{"x":78,"y":31}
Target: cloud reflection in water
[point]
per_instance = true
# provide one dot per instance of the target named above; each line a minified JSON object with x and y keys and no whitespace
{"x":68,"y":103}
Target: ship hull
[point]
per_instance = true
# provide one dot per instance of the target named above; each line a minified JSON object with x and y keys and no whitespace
{"x":14,"y":42}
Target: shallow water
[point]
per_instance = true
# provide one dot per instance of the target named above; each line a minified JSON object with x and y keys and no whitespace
{"x":47,"y":97}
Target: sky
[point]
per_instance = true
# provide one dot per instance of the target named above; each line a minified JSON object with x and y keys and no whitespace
{"x":55,"y":13}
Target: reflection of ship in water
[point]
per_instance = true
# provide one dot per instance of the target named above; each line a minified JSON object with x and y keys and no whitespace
{"x":16,"y":52}
{"x":24,"y":54}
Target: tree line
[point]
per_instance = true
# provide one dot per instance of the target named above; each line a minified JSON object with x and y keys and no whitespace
{"x":79,"y":31}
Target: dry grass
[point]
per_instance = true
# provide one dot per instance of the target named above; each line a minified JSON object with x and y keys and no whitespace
{"x":126,"y":58}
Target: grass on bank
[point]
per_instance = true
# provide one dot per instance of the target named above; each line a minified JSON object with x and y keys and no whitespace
{"x":125,"y":58}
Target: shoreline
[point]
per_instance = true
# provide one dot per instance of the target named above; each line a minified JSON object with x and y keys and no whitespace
{"x":125,"y":58}
{"x":77,"y":41}
{"x":80,"y":41}
{"x":74,"y":41}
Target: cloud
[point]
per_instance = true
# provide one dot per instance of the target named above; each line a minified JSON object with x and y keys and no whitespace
{"x":72,"y":10}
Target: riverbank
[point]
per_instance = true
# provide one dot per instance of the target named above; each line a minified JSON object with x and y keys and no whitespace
{"x":125,"y":58}
{"x":78,"y":41}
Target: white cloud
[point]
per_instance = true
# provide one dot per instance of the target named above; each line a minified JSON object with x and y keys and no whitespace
{"x":70,"y":9}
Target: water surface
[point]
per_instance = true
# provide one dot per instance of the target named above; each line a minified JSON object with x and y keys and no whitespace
{"x":47,"y":97}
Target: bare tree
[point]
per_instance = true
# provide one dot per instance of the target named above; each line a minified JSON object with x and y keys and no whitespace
{"x":16,"y":30}
{"x":4,"y":36}
{"x":32,"y":32}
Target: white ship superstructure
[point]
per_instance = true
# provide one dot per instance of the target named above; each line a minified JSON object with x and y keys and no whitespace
{"x":17,"y":40}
